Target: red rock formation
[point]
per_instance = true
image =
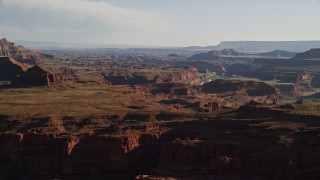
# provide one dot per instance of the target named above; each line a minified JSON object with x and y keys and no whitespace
{"x":297,"y":83}
{"x":209,"y":106}
{"x":10,"y":68}
{"x":68,"y":71}
{"x":38,"y":75}
{"x":123,"y":77}
{"x":173,"y":89}
{"x":202,"y":159}
{"x":188,"y":76}
{"x":252,"y":88}
{"x":19,"y":52}
{"x":43,"y":153}
{"x":216,"y":148}
{"x":304,"y":81}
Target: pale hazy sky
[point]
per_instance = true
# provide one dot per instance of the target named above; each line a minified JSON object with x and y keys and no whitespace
{"x":159,"y":22}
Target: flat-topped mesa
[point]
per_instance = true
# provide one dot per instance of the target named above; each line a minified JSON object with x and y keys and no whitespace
{"x":19,"y":52}
{"x":256,"y":88}
{"x":38,"y":75}
{"x":10,"y":68}
{"x":245,"y":90}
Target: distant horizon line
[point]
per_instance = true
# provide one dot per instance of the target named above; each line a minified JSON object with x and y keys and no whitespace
{"x":123,"y":45}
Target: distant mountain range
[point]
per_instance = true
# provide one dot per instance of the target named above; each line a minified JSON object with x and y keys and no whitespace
{"x":218,"y":54}
{"x":66,"y":45}
{"x":265,"y":46}
{"x":240,"y":46}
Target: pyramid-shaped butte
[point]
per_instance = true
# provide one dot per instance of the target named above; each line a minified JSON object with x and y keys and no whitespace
{"x":10,"y":68}
{"x":38,"y":75}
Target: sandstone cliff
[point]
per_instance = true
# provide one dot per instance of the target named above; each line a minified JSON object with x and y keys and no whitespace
{"x":252,"y":88}
{"x":253,"y":142}
{"x":19,"y":53}
{"x":187,"y":75}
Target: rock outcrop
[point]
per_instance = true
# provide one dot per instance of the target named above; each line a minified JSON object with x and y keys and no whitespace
{"x":201,"y":159}
{"x":297,"y":83}
{"x":209,"y":106}
{"x":173,"y":89}
{"x":254,"y":142}
{"x":48,"y":154}
{"x":252,"y":88}
{"x":215,"y":54}
{"x":38,"y":75}
{"x":49,"y":150}
{"x":202,"y":66}
{"x":10,"y":68}
{"x":187,"y":75}
{"x":248,"y":70}
{"x":20,"y":53}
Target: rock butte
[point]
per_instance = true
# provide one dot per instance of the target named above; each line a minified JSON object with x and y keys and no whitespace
{"x":19,"y":52}
{"x":38,"y":75}
{"x":9,"y":68}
